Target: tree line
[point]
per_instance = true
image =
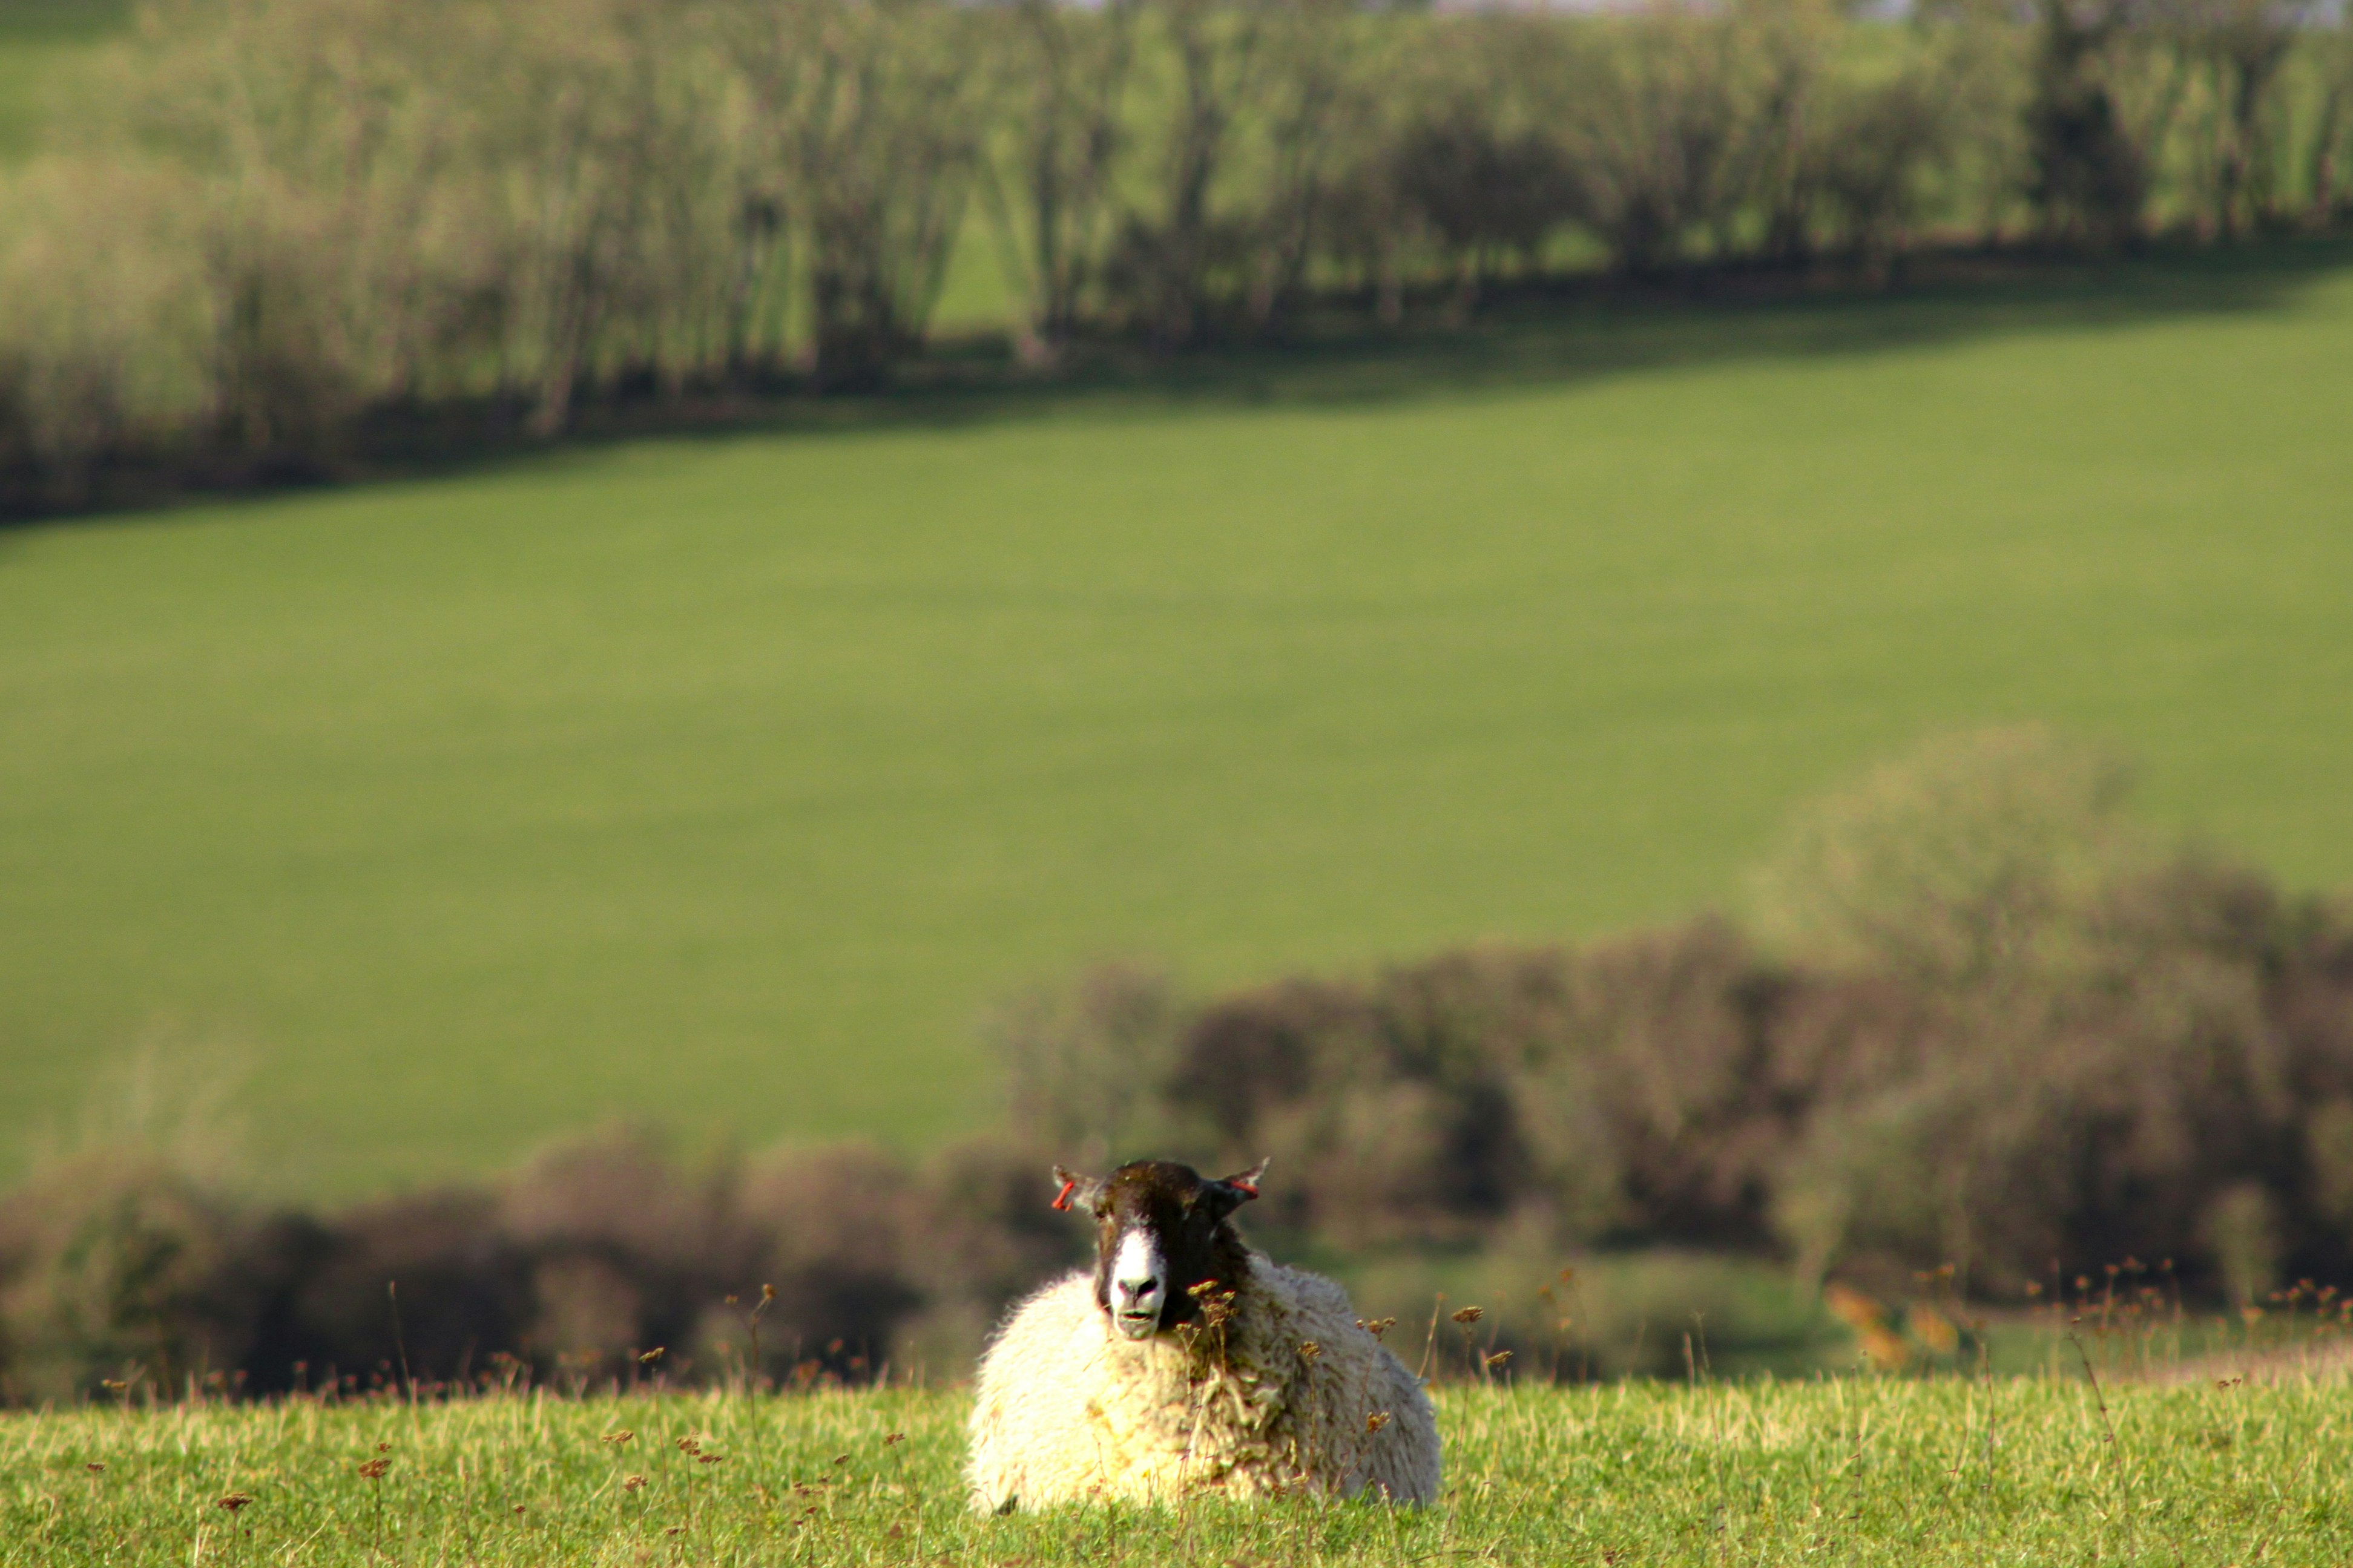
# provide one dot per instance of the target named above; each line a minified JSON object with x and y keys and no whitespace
{"x":1978,"y":1026}
{"x":261,"y":224}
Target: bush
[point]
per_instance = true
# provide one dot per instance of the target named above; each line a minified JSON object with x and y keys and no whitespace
{"x":121,"y":1269}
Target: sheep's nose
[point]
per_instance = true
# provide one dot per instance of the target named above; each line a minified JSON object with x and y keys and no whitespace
{"x":1135,"y":1290}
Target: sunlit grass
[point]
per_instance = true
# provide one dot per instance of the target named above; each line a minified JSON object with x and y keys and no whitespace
{"x":1952,"y":1470}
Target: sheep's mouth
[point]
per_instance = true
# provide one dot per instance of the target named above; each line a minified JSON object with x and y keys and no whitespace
{"x":1137,"y":1325}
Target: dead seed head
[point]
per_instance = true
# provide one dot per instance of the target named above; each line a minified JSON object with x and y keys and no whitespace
{"x":768,"y":1293}
{"x":1309,"y":1350}
{"x":234,"y":1501}
{"x":689,"y":1446}
{"x":1376,"y":1421}
{"x":95,"y":1467}
{"x":619,"y":1439}
{"x":374,"y":1470}
{"x":1495,"y":1363}
{"x":632,"y":1483}
{"x":841,"y":1459}
{"x":1933,"y":1329}
{"x":647,"y":1358}
{"x":893,"y":1437}
{"x":1466,"y":1316}
{"x":1377,"y":1327}
{"x":1853,"y":1308}
{"x":384,"y":1447}
{"x":710,"y":1459}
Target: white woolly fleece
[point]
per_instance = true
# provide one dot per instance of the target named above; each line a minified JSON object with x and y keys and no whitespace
{"x":1066,"y":1409}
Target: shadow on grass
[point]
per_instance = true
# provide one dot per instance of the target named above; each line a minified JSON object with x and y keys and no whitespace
{"x":1557,"y":335}
{"x":1572,"y":335}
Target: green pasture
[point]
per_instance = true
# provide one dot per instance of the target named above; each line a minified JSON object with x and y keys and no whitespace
{"x":41,"y":40}
{"x":2025,"y":1471}
{"x":727,"y":780}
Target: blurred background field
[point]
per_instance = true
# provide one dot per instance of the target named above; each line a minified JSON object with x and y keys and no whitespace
{"x":41,"y":42}
{"x":728,"y":781}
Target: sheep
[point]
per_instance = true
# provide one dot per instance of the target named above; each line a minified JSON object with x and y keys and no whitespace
{"x":1187,"y":1361}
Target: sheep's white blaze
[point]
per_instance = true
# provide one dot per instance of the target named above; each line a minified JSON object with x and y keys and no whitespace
{"x":1136,"y":1283}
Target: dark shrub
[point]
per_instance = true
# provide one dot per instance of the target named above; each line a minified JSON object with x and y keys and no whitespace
{"x":831,"y":1229}
{"x":117,"y":1267}
{"x":464,"y":1291}
{"x":628,"y":1249}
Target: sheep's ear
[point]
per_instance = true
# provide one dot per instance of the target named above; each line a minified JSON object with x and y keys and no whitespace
{"x":1224,"y":1197}
{"x":1082,"y":1191}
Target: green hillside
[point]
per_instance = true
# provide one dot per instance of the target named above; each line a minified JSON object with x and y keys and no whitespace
{"x":726,"y":781}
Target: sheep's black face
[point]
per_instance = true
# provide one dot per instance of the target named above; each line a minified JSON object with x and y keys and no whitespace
{"x":1163,"y":1234}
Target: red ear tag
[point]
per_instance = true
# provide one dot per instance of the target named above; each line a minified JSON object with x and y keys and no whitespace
{"x":1244,"y":1187}
{"x":1062,"y":1198}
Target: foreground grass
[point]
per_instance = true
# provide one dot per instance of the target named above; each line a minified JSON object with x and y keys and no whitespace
{"x":2011,"y":1472}
{"x":731,"y":779}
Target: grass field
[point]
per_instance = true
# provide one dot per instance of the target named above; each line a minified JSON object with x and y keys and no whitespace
{"x":39,"y":38}
{"x":725,"y":781}
{"x":2009,"y":1471}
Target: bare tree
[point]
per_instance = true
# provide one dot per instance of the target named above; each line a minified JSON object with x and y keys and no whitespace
{"x":1169,"y":251}
{"x":1878,"y":145}
{"x":1313,"y":99}
{"x":321,"y":148}
{"x":1658,"y":133}
{"x":1046,"y":184}
{"x":573,"y":111}
{"x":2325,"y":171}
{"x":882,"y":135}
{"x":1486,"y":193}
{"x":2246,"y":44}
{"x":2109,"y":88}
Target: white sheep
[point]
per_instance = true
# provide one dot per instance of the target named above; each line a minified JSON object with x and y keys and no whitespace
{"x":1186,"y":1362}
